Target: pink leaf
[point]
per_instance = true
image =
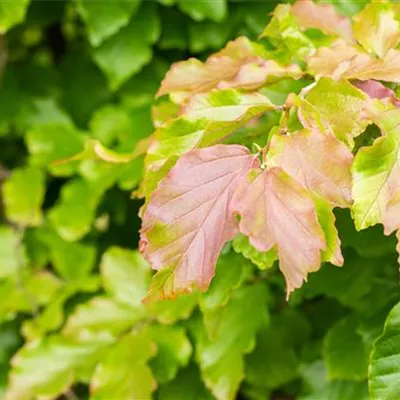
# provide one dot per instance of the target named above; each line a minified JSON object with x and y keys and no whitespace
{"x":276,"y":211}
{"x":376,"y":90}
{"x":188,"y":218}
{"x":320,"y":163}
{"x":323,"y":17}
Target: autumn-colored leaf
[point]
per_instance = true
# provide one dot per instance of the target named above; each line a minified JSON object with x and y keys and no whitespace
{"x":276,"y":211}
{"x":193,"y":76}
{"x":377,"y":28}
{"x":323,"y":17}
{"x":320,"y":163}
{"x":344,"y":61}
{"x":376,"y":90}
{"x":188,"y":218}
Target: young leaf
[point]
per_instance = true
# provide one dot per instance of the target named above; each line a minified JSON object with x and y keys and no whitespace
{"x":384,"y":369}
{"x":343,"y":61}
{"x":340,"y":104}
{"x":276,"y":211}
{"x":377,"y":28}
{"x":324,"y":17}
{"x":319,"y":162}
{"x":188,"y":218}
{"x":376,"y":90}
{"x":376,"y":177}
{"x":192,"y":76}
{"x":123,"y":374}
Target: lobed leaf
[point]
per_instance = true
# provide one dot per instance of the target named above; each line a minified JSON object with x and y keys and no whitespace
{"x":276,"y":211}
{"x":188,"y":218}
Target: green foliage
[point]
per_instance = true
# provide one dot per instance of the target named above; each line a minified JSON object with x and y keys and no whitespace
{"x":93,"y":117}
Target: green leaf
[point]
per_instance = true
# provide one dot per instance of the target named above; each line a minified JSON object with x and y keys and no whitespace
{"x":377,"y":28}
{"x":27,"y":294}
{"x":263,"y":260}
{"x":345,"y":354}
{"x":23,"y":196}
{"x":384,"y":371}
{"x":173,"y":352}
{"x":47,"y":367}
{"x":202,"y":9}
{"x":284,"y":33}
{"x":12,"y":252}
{"x":73,"y":215}
{"x":104,"y":19}
{"x":172,"y":310}
{"x":84,"y":90}
{"x":321,"y":388}
{"x":127,"y":52}
{"x":272,"y":363}
{"x":123,"y":374}
{"x":12,"y":13}
{"x":221,"y":359}
{"x":50,"y":143}
{"x":126,"y":275}
{"x":101,"y":314}
{"x":187,"y":385}
{"x":174,"y":30}
{"x":340,"y":104}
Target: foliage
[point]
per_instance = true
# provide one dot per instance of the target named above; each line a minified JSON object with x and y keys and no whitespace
{"x":251,"y":168}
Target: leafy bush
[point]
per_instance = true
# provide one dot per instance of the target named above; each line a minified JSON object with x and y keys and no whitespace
{"x":250,"y":168}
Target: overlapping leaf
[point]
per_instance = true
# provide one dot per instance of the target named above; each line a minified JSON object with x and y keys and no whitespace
{"x":276,"y":211}
{"x":188,"y":218}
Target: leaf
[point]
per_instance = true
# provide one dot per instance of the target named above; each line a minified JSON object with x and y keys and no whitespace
{"x":32,"y":294}
{"x":273,"y":362}
{"x":12,"y":252}
{"x":192,"y":76}
{"x":202,"y":9}
{"x":74,"y":213}
{"x":12,"y":14}
{"x":104,"y":19}
{"x":376,"y":90}
{"x":127,"y":52}
{"x":123,"y":373}
{"x":47,"y":367}
{"x":23,"y":195}
{"x":125,"y":275}
{"x":285,"y":34}
{"x":193,"y":202}
{"x":384,"y":372}
{"x":345,"y":354}
{"x":276,"y":211}
{"x":324,"y":17}
{"x":101,"y":315}
{"x":173,"y":352}
{"x":341,"y":105}
{"x":231,"y":272}
{"x":53,"y":142}
{"x":221,"y":359}
{"x":187,"y":385}
{"x":263,"y":260}
{"x":342,"y":61}
{"x":319,"y":162}
{"x":377,"y":28}
{"x":375,"y":175}
{"x":208,"y":119}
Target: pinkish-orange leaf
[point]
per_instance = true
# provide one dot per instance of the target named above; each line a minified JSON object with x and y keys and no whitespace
{"x":276,"y":211}
{"x":188,"y":218}
{"x":376,"y":90}
{"x":323,"y":17}
{"x":321,"y":163}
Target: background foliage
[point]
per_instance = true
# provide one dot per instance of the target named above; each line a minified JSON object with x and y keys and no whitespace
{"x":71,"y":279}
